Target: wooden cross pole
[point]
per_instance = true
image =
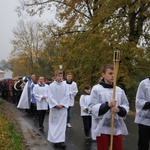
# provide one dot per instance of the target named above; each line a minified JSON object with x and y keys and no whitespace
{"x":116,"y":60}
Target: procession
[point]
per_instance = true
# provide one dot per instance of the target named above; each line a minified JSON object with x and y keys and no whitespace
{"x":75,"y":75}
{"x":57,"y":97}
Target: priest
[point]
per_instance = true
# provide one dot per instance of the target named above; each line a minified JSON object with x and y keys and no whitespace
{"x":26,"y":97}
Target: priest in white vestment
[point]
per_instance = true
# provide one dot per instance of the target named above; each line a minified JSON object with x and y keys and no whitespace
{"x":58,"y":103}
{"x":26,"y":97}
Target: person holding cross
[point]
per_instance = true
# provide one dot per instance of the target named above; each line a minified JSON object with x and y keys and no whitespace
{"x":103,"y":105}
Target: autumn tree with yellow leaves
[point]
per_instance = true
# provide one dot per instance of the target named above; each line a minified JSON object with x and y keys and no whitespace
{"x":28,"y":45}
{"x":91,"y":30}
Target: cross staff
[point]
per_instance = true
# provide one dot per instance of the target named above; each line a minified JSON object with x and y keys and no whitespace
{"x":116,"y":60}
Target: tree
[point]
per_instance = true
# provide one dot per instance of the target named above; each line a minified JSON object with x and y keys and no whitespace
{"x":4,"y":65}
{"x":27,"y":44}
{"x":91,"y":30}
{"x":77,"y":14}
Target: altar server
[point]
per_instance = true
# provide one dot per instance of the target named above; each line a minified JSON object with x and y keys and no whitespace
{"x":40,"y":92}
{"x":143,"y":114}
{"x":84,"y":104}
{"x":73,"y":90}
{"x":102,"y":106}
{"x":58,"y":103}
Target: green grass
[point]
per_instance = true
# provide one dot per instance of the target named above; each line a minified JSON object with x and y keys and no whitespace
{"x":9,"y":138}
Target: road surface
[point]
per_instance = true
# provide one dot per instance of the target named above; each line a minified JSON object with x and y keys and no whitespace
{"x":75,"y":139}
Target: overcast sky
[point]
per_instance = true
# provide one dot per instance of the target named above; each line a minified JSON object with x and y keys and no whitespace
{"x":8,"y":20}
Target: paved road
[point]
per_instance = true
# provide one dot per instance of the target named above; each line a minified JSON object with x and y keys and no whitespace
{"x":75,"y":138}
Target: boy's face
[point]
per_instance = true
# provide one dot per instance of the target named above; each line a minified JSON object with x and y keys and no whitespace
{"x":41,"y":80}
{"x":108,"y":76}
{"x":59,"y":77}
{"x":69,"y":77}
{"x":88,"y":91}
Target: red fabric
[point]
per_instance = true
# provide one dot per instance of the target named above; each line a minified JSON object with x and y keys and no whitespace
{"x":103,"y":142}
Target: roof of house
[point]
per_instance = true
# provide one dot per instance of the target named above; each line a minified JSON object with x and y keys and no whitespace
{"x":1,"y":71}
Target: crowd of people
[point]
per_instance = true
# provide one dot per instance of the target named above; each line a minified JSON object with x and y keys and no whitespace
{"x":37,"y":95}
{"x":8,"y":91}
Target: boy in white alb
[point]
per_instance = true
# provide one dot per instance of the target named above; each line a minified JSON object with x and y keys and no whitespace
{"x":73,"y":90}
{"x":40,"y":92}
{"x":58,"y":103}
{"x":84,"y":104}
{"x":102,"y":106}
{"x":143,"y":114}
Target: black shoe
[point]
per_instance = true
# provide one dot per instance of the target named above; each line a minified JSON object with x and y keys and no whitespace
{"x":63,"y":145}
{"x":56,"y":145}
{"x":41,"y":128}
{"x":35,"y":119}
{"x":88,"y":138}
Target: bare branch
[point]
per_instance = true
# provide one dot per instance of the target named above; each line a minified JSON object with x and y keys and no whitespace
{"x":60,"y":2}
{"x":67,"y":32}
{"x":87,"y":3}
{"x":38,"y":3}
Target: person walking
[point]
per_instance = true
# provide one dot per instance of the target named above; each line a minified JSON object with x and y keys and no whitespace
{"x":103,"y":105}
{"x":58,"y":104}
{"x":27,"y":97}
{"x":84,"y":104}
{"x":73,"y":90}
{"x":143,"y":114}
{"x":40,"y":92}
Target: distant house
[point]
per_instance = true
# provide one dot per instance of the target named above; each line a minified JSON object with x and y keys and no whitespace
{"x":1,"y":74}
{"x":5,"y":72}
{"x":8,"y":73}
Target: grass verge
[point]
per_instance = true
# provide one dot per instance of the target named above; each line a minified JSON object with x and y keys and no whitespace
{"x":9,"y":138}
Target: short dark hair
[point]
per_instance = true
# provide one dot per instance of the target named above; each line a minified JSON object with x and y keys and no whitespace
{"x":58,"y":72}
{"x":69,"y":73}
{"x":107,"y":66}
{"x":87,"y":87}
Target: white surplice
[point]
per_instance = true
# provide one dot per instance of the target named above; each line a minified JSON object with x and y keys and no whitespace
{"x":39,"y":92}
{"x":143,"y":96}
{"x":102,"y":124}
{"x":58,"y":94}
{"x":84,"y":104}
{"x":73,"y":90}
